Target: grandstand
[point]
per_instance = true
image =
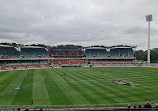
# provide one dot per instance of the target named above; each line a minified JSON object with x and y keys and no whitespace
{"x":114,"y":52}
{"x":67,"y":51}
{"x":34,"y":52}
{"x":73,"y":62}
{"x":65,"y":56}
{"x":7,"y":52}
{"x":116,"y":55}
{"x":99,"y":52}
{"x":121,"y":51}
{"x":23,"y":57}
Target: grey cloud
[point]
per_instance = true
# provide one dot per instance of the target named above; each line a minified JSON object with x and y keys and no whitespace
{"x":80,"y":21}
{"x":137,"y":31}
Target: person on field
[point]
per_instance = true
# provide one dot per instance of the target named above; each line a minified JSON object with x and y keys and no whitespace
{"x":32,"y":102}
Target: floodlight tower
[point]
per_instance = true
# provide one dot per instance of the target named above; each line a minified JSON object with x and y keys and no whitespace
{"x":148,"y":19}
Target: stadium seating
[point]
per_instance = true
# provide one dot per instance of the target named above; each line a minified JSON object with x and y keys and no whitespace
{"x":67,"y":55}
{"x":67,"y":51}
{"x":121,"y":52}
{"x":56,"y":62}
{"x":17,"y":64}
{"x":98,"y":52}
{"x":8,"y":52}
{"x":72,"y":62}
{"x":34,"y":52}
{"x":101,"y":52}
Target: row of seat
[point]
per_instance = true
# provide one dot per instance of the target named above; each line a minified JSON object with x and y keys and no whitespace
{"x":68,"y":62}
{"x":8,"y":52}
{"x":113,"y":53}
{"x":67,"y":53}
{"x":34,"y":53}
{"x":11,"y":52}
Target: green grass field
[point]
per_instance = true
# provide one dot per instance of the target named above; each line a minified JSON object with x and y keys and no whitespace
{"x":79,"y":86}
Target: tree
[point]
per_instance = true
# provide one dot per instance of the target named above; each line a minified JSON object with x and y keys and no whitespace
{"x":142,"y":55}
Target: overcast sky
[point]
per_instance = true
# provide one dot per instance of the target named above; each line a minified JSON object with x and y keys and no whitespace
{"x":84,"y":22}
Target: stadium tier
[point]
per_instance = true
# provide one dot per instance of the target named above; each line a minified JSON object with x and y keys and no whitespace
{"x":114,"y":51}
{"x":117,"y":51}
{"x":67,"y":51}
{"x":68,"y":62}
{"x":34,"y":52}
{"x":18,"y":64}
{"x":23,"y":57}
{"x":99,"y":52}
{"x":110,"y":55}
{"x":8,"y":52}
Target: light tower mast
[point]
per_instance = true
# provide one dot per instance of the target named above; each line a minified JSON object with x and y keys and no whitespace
{"x":148,"y":19}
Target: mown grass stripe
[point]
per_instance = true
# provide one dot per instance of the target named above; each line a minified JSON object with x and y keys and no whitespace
{"x":122,"y":92}
{"x":82,"y":91}
{"x":40,"y":93}
{"x":92,"y":98}
{"x":24,"y":96}
{"x":56,"y":95}
{"x":76,"y":98}
{"x":6,"y":79}
{"x":98,"y":89}
{"x":7,"y":94}
{"x":131,"y":93}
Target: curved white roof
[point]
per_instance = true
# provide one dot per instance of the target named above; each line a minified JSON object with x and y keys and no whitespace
{"x":121,"y":48}
{"x":5,"y":45}
{"x":31,"y":47}
{"x":65,"y":43}
{"x":7,"y":41}
{"x":36,"y":43}
{"x":96,"y":48}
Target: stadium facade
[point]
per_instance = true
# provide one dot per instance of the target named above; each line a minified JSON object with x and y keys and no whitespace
{"x":22,"y":56}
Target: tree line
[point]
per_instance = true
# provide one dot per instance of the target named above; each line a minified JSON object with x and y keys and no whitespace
{"x":142,"y":55}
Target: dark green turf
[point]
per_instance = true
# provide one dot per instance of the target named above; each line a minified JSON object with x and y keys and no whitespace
{"x":79,"y":86}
